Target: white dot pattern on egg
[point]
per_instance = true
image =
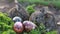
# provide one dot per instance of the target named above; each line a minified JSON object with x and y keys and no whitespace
{"x":29,"y":24}
{"x":18,"y":25}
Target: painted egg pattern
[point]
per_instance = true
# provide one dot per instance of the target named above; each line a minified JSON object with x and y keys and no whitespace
{"x":18,"y":27}
{"x":29,"y":25}
{"x":17,"y":19}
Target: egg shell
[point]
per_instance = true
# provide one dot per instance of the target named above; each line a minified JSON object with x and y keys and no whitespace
{"x":18,"y":27}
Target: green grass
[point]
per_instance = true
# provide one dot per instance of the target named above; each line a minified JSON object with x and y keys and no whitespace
{"x":55,"y":2}
{"x":6,"y":23}
{"x":51,"y":32}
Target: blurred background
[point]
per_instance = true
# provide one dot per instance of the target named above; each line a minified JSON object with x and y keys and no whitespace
{"x":44,"y":13}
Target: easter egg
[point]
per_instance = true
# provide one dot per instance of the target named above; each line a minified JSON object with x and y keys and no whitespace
{"x":29,"y":25}
{"x":18,"y":27}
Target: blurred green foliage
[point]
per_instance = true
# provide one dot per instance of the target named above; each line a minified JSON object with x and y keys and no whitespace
{"x":43,"y":2}
{"x":6,"y":23}
{"x":30,"y":9}
{"x":9,"y":32}
{"x":51,"y":32}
